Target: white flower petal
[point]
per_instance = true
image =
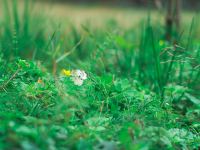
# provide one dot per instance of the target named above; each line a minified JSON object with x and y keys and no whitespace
{"x":84,"y":75}
{"x":77,"y":81}
{"x":80,"y":74}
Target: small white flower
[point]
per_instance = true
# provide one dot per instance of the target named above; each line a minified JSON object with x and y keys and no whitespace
{"x":78,"y":76}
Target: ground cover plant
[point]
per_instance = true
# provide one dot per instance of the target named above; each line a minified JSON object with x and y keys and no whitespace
{"x":106,"y":88}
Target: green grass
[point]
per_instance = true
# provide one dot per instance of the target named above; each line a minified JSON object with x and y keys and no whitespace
{"x":142,"y":92}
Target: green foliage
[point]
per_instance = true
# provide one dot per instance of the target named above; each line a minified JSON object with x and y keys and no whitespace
{"x":142,"y":92}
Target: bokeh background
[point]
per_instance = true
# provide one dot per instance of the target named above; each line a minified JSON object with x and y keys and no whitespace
{"x":126,"y":12}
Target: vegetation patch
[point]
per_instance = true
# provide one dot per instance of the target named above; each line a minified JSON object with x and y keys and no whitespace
{"x":102,"y":88}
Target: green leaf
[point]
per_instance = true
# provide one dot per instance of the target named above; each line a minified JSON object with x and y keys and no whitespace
{"x":192,"y":99}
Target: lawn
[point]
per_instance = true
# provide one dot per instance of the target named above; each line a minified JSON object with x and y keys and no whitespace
{"x":92,"y":77}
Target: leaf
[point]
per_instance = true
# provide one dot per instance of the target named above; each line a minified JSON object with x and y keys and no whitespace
{"x":106,"y":145}
{"x":26,"y":131}
{"x":192,"y":99}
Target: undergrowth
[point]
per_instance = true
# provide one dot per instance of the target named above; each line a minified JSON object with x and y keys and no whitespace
{"x":141,"y":92}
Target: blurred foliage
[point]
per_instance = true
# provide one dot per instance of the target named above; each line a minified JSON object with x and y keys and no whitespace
{"x":192,"y":4}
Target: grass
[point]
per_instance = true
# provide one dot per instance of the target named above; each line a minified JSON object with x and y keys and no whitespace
{"x":142,"y":92}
